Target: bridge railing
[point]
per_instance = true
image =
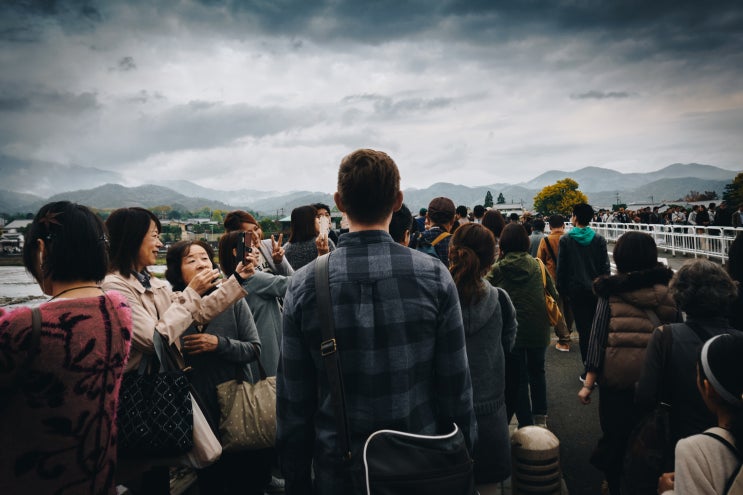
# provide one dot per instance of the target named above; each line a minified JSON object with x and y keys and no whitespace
{"x":708,"y":242}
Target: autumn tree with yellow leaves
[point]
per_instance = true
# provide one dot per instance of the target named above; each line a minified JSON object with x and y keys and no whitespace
{"x":560,"y":198}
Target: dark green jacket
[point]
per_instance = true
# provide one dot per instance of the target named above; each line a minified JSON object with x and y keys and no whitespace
{"x":519,"y":274}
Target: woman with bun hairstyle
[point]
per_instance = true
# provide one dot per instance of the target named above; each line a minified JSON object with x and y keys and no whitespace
{"x":706,"y":463}
{"x":58,"y":402}
{"x":490,"y":331}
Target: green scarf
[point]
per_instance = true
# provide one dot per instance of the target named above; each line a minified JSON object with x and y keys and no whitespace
{"x":582,"y":235}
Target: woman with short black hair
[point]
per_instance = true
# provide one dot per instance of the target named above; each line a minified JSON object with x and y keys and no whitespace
{"x":58,"y":403}
{"x":135,"y":242}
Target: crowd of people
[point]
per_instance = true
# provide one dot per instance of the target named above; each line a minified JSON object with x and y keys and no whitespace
{"x":712,"y":215}
{"x":440,"y":318}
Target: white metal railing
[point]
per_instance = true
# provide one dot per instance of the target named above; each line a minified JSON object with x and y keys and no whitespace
{"x":708,"y":242}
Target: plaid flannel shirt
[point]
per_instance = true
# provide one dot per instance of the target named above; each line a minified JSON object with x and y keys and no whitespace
{"x":401,"y":341}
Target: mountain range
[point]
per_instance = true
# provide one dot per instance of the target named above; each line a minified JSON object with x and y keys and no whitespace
{"x":25,"y":186}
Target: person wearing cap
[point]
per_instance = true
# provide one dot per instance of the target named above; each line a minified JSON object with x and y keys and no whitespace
{"x":421,"y":219}
{"x":440,"y":215}
{"x":707,"y":462}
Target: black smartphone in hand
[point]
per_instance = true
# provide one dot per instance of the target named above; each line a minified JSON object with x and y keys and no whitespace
{"x":244,"y":249}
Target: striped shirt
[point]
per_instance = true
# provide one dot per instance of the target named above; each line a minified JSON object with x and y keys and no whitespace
{"x":401,"y":343}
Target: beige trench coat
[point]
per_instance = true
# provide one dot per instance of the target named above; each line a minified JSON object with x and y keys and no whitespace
{"x":170,"y":312}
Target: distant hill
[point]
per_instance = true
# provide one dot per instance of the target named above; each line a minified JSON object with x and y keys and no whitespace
{"x":112,"y":196}
{"x":595,"y":179}
{"x":236,"y":197}
{"x":46,"y":179}
{"x":15,"y":202}
{"x":659,"y":191}
{"x":599,"y":184}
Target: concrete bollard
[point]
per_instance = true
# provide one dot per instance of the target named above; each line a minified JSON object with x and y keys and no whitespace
{"x":535,"y":453}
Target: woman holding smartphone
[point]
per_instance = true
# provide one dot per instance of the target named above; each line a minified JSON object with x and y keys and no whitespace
{"x":216,"y":351}
{"x":308,"y":238}
{"x":267,"y":287}
{"x":134,"y":245}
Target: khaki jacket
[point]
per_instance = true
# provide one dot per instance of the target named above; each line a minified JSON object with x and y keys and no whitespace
{"x":544,"y":254}
{"x":169,"y":312}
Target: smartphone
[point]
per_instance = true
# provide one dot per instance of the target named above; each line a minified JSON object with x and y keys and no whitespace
{"x":324,"y":225}
{"x":244,"y":246}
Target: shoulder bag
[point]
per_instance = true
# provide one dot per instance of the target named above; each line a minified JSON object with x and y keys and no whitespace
{"x":21,"y":376}
{"x":155,"y":415}
{"x":393,"y":462}
{"x":247,"y":412}
{"x":553,"y":309}
{"x":650,"y":446}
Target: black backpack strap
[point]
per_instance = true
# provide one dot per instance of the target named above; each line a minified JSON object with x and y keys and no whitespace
{"x":700,"y":331}
{"x":549,"y":248}
{"x":666,"y":342}
{"x":736,"y":453}
{"x":329,"y":351}
{"x":724,"y":442}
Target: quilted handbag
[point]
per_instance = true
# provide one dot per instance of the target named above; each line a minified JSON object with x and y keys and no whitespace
{"x":247,"y":412}
{"x":155,"y":416}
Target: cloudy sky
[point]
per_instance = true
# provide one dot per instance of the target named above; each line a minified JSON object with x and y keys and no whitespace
{"x":271,"y":94}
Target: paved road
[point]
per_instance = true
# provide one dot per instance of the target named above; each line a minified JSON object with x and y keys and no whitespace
{"x":576,"y":425}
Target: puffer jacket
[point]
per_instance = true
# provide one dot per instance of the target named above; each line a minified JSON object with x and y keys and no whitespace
{"x":521,"y":276}
{"x":631,"y":296}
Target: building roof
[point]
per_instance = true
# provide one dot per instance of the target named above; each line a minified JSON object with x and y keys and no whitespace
{"x":17,"y":224}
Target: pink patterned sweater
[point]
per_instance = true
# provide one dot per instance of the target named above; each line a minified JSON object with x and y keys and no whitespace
{"x":58,"y":421}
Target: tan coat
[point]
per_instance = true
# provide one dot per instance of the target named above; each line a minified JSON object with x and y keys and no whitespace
{"x":170,"y":312}
{"x":544,"y":254}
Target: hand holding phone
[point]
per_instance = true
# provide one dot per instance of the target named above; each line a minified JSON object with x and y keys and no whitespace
{"x":244,"y":247}
{"x":324,"y":225}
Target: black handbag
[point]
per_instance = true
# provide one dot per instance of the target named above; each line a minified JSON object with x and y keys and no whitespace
{"x":394,"y":462}
{"x":155,"y":415}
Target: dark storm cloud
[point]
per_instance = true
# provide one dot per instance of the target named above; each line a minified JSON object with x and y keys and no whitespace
{"x":63,"y":103}
{"x":600,"y":95}
{"x":26,"y":21}
{"x":664,"y":26}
